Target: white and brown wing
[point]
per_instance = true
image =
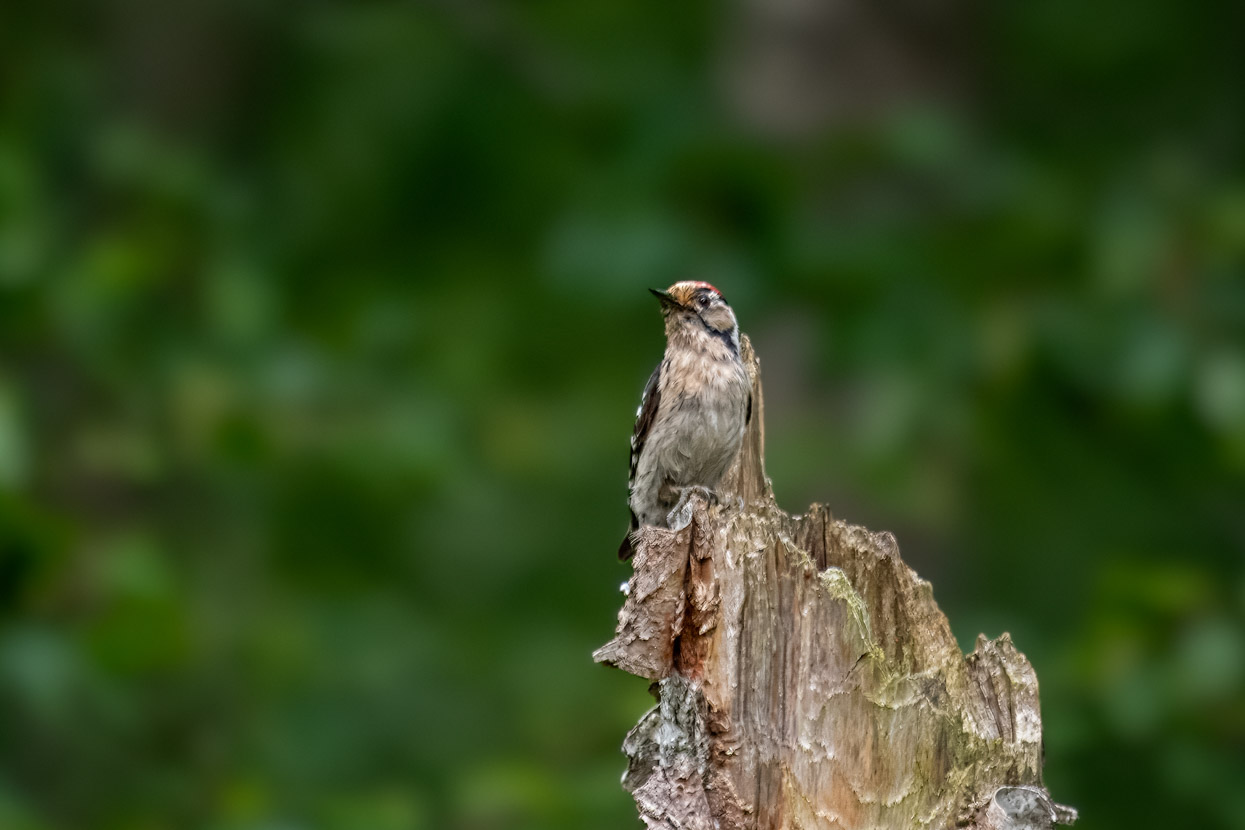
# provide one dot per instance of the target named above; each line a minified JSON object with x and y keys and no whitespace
{"x":644,"y":418}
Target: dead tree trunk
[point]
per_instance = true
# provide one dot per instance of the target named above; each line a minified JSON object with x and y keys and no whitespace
{"x":807,"y":679}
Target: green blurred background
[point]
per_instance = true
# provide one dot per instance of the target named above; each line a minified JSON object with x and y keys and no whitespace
{"x":322,"y":327}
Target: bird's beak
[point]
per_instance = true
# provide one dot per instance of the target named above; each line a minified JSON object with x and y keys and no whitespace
{"x":666,"y":300}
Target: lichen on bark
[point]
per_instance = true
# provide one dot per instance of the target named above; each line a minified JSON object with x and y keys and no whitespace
{"x":806,"y":678}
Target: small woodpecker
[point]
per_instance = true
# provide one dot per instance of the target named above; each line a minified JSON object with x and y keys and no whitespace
{"x":695,"y":408}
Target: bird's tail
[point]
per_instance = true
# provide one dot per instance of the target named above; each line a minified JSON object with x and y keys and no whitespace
{"x":625,"y":550}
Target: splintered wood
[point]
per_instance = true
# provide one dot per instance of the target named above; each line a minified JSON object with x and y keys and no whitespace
{"x":806,"y":679}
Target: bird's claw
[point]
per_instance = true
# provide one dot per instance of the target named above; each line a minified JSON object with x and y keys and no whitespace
{"x":705,"y":493}
{"x":680,"y":515}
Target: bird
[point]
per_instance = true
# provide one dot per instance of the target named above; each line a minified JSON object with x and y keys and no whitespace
{"x":695,"y":408}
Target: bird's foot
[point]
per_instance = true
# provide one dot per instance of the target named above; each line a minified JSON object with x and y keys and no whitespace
{"x":680,"y":515}
{"x":712,"y":498}
{"x":705,"y":493}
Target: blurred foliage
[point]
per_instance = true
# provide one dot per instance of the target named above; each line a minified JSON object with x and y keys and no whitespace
{"x":322,"y":326}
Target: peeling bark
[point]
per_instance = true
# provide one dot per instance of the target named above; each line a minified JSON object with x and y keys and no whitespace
{"x":807,"y":679}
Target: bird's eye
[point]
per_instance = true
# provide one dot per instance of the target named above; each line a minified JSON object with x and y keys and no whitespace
{"x":702,"y":300}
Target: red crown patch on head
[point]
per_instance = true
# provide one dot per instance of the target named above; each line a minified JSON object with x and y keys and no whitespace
{"x":700,"y":284}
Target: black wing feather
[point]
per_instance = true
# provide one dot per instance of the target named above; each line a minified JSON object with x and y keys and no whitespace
{"x":643,"y":423}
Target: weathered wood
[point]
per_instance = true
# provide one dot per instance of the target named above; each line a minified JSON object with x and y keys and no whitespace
{"x":806,"y":678}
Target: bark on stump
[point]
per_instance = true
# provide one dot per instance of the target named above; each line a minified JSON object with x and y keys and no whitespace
{"x":806,"y":679}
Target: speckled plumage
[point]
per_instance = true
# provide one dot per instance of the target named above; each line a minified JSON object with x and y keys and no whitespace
{"x":696,"y":406}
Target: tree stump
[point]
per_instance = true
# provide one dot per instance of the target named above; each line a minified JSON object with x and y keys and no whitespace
{"x":806,"y":679}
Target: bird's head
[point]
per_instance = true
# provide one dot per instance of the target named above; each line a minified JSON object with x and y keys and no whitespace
{"x":698,"y":304}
